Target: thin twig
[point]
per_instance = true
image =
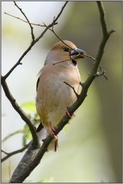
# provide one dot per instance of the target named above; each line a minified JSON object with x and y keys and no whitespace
{"x":31,"y":28}
{"x":13,"y":152}
{"x":105,"y":36}
{"x":102,"y":17}
{"x":106,"y":33}
{"x":34,"y":24}
{"x":72,"y":89}
{"x":4,"y":152}
{"x":52,"y":30}
{"x":103,"y":72}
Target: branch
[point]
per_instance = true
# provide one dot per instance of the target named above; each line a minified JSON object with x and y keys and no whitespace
{"x":20,"y":112}
{"x":22,"y":172}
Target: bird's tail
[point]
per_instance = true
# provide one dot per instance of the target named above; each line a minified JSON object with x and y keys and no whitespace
{"x":53,"y":145}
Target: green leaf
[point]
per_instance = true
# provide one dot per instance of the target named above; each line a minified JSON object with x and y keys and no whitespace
{"x":29,"y":106}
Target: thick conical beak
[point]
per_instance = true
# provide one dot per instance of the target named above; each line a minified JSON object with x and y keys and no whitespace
{"x":77,"y":53}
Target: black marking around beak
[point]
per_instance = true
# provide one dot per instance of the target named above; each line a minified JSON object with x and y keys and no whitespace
{"x":79,"y":53}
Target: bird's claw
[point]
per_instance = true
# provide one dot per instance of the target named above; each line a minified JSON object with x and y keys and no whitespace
{"x":67,"y":113}
{"x":52,"y":133}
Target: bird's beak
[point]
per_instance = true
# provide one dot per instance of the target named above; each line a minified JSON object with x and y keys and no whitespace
{"x":79,"y":53}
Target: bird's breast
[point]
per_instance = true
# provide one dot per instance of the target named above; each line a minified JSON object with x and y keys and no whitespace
{"x":53,"y":94}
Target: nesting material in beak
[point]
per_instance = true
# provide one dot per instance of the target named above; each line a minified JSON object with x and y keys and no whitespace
{"x":79,"y":53}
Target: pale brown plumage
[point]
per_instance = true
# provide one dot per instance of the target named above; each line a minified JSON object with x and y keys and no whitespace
{"x":53,"y":95}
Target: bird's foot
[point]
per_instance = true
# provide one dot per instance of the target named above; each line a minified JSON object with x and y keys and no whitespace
{"x":67,"y":113}
{"x":52,"y":132}
{"x":55,"y":137}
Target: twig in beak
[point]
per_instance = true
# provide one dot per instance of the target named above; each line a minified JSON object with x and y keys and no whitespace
{"x":88,"y":56}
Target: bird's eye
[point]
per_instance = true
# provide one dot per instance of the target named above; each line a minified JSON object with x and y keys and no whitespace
{"x":66,"y":49}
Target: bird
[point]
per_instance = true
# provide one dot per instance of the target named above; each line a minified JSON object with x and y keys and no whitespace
{"x":53,"y":94}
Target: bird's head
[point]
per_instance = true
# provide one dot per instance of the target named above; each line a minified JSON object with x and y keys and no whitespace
{"x":65,"y":51}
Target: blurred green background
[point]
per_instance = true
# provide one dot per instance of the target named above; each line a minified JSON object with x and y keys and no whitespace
{"x":90,"y":148}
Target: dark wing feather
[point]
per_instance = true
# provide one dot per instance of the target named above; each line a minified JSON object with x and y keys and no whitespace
{"x":37,"y":83}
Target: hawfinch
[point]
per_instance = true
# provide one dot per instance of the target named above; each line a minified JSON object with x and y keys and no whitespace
{"x":53,"y":93}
